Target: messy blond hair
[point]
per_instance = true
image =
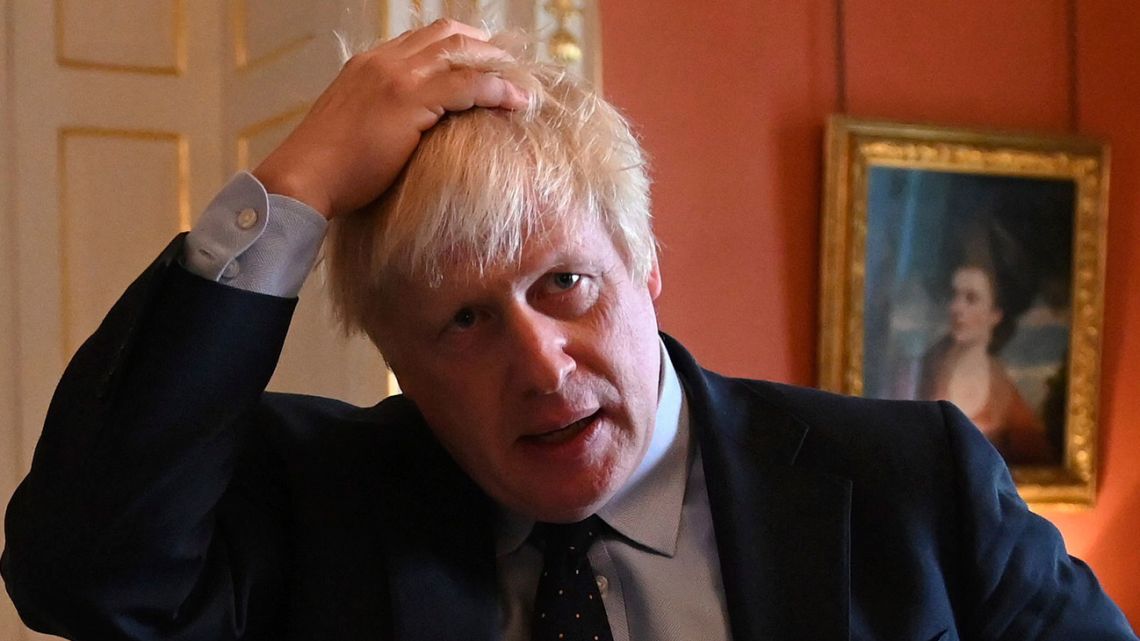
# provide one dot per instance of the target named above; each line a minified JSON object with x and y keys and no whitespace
{"x":482,"y":181}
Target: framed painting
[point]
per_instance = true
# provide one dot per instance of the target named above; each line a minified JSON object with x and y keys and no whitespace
{"x":968,"y":266}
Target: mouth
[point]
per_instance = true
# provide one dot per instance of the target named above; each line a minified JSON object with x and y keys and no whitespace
{"x":564,"y":434}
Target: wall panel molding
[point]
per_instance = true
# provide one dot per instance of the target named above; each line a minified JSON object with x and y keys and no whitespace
{"x":275,"y":127}
{"x":245,"y":56}
{"x":75,"y":210}
{"x":97,"y":60}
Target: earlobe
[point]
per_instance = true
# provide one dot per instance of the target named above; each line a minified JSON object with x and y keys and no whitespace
{"x":654,"y":280}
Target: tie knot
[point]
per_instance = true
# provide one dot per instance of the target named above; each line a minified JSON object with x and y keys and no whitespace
{"x":570,"y":539}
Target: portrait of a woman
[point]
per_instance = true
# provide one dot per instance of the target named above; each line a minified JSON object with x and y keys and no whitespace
{"x":963,"y":367}
{"x":968,"y":298}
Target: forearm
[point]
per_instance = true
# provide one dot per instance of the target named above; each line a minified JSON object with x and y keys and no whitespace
{"x":174,"y":362}
{"x":139,"y":445}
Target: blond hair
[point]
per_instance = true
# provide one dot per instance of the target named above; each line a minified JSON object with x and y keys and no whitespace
{"x":482,"y":181}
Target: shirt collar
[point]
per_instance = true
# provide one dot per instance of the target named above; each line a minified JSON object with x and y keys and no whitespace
{"x":647,"y":509}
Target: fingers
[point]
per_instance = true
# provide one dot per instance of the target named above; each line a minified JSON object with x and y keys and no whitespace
{"x":453,"y":64}
{"x":459,"y":50}
{"x":448,"y":57}
{"x":412,"y":42}
{"x":463,"y":89}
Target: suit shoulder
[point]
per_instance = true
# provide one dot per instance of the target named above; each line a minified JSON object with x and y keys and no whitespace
{"x":300,"y":420}
{"x":851,"y":431}
{"x":820,"y":409}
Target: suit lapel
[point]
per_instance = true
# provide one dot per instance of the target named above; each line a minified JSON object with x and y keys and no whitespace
{"x":439,"y":545}
{"x":781,"y":530}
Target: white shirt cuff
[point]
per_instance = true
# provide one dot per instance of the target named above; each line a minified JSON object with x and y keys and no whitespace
{"x":255,"y":241}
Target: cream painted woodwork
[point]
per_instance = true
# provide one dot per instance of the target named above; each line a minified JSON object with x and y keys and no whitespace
{"x":160,"y":51}
{"x":12,"y":464}
{"x":119,"y":120}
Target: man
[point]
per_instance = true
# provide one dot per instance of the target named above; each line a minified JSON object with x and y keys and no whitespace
{"x":501,"y":259}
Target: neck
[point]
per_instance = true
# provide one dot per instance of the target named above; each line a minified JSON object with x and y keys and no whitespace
{"x":968,"y":352}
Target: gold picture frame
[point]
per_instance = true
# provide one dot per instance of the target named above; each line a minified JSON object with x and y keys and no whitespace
{"x":938,"y":242}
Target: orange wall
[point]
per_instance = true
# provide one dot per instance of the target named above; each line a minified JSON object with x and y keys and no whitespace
{"x":730,"y":98}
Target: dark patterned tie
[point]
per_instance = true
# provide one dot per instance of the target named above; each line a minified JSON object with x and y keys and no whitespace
{"x":567,"y":605}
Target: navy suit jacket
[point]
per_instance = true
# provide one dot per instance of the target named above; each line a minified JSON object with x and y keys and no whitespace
{"x":171,"y":498}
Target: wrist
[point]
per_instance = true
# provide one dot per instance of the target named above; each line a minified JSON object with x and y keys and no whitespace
{"x":286,"y":183}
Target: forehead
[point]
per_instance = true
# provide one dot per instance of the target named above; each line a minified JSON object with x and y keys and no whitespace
{"x":565,"y":243}
{"x":972,"y":278}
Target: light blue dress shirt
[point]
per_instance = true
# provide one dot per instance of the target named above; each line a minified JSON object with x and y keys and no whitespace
{"x":255,"y":241}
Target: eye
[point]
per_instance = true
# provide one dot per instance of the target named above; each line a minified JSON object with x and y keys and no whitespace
{"x":565,"y":280}
{"x":464,"y":318}
{"x":565,"y":294}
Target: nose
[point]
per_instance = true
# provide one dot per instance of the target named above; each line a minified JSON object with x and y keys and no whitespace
{"x":956,"y":305}
{"x":539,"y":362}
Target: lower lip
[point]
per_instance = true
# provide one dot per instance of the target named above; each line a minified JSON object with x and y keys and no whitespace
{"x":573,"y":445}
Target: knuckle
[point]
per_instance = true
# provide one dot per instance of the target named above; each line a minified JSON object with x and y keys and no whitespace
{"x":375,"y":65}
{"x":385,"y":67}
{"x":460,"y":43}
{"x":470,"y":76}
{"x":401,"y":84}
{"x":368,"y":62}
{"x":355,"y":61}
{"x":445,"y":24}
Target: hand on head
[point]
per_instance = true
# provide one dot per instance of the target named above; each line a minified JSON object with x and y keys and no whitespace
{"x":364,"y":127}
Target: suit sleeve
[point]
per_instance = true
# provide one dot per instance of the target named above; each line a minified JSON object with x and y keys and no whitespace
{"x":1023,"y":584}
{"x":131,"y":523}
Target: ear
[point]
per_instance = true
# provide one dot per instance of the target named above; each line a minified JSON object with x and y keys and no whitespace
{"x":653,"y":283}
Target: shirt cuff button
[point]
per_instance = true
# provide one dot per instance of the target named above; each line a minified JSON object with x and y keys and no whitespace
{"x":246,"y":218}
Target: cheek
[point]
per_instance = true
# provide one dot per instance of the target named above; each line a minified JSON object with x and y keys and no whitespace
{"x":637,"y":350}
{"x":628,"y":340}
{"x":974,"y":314}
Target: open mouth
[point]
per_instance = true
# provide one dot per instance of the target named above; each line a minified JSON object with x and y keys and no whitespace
{"x":567,"y":433}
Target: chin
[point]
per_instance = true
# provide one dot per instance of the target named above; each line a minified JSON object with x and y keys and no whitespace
{"x":567,"y":513}
{"x":559,"y":502}
{"x":569,"y":481}
{"x":962,"y":338}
